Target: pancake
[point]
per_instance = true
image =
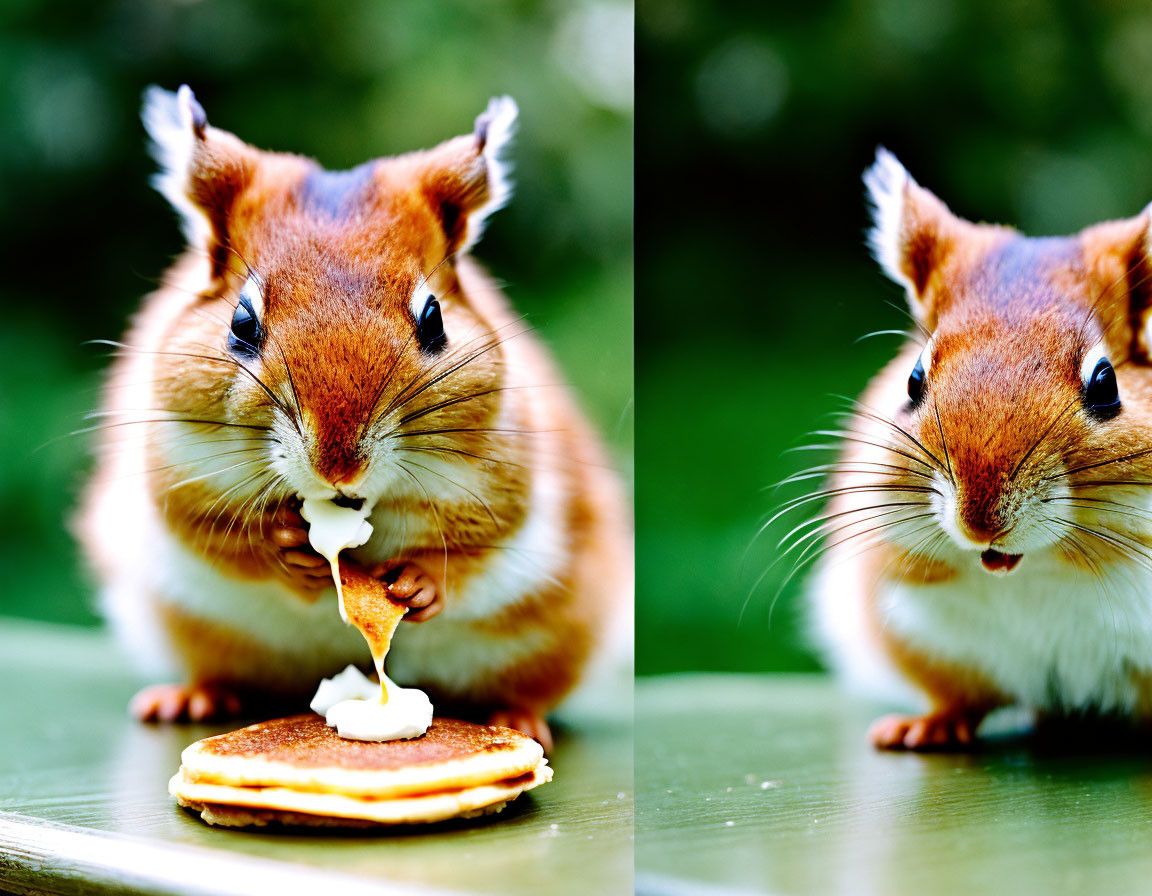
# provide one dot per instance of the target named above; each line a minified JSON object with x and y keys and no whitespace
{"x":300,"y":767}
{"x":298,"y":770}
{"x":242,"y":806}
{"x":303,"y":753}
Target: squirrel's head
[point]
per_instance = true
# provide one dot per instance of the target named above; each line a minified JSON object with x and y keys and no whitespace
{"x":1032,"y":379}
{"x":330,"y":313}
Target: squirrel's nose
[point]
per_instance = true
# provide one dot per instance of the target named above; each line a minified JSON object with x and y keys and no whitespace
{"x":345,"y":473}
{"x":980,"y":534}
{"x":979,"y":519}
{"x":342,"y":469}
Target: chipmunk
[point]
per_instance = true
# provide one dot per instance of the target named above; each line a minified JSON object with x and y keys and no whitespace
{"x":327,"y":336}
{"x":987,"y":539}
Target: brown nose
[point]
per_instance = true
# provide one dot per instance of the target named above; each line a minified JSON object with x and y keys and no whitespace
{"x":339,"y":465}
{"x":979,"y":515}
{"x":980,"y":533}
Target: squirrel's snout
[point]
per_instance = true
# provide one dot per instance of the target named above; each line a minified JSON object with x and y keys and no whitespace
{"x":980,"y":517}
{"x":342,"y":469}
{"x":979,"y":529}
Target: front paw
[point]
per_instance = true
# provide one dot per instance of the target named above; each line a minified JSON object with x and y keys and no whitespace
{"x":946,"y":730}
{"x":185,"y":703}
{"x":290,"y":554}
{"x":410,"y":585}
{"x":525,"y":721}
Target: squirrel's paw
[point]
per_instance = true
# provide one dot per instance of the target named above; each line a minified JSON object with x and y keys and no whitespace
{"x":935,"y":731}
{"x":293,"y":558}
{"x":526,"y":722}
{"x":410,"y":585}
{"x":185,"y":703}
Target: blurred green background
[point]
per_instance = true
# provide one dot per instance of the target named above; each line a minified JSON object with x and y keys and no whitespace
{"x":343,"y":81}
{"x":754,"y":124}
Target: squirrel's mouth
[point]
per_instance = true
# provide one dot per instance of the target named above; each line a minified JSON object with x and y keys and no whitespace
{"x":998,"y":563}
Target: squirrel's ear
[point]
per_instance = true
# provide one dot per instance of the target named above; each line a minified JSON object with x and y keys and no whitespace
{"x":912,"y":230}
{"x":1118,"y":253}
{"x":467,"y":178}
{"x":202,"y":169}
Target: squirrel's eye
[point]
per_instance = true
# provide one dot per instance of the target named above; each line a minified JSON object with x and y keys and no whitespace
{"x":1100,"y":393}
{"x":916,"y":382}
{"x":246,"y":334}
{"x":430,"y":328}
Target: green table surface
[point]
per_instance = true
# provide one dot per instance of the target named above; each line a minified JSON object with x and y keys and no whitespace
{"x":767,"y":785}
{"x":84,"y":804}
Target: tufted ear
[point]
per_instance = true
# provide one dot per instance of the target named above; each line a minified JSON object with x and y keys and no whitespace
{"x":202,"y":169}
{"x":468,"y":178}
{"x":912,"y":231}
{"x":1117,"y":252}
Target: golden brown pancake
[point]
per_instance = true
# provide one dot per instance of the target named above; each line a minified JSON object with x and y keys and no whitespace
{"x":303,"y":753}
{"x":300,"y":771}
{"x":238,"y":806}
{"x":300,"y":766}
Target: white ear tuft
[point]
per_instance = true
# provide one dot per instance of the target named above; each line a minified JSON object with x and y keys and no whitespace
{"x":887,"y":182}
{"x":176,"y":123}
{"x":494,"y":129}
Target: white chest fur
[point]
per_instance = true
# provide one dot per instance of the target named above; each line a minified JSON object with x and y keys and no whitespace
{"x":1050,"y":637}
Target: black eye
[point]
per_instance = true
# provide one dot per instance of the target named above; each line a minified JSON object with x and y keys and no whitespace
{"x":1101,"y":396}
{"x":246,"y":335}
{"x":430,"y":329}
{"x":916,"y":382}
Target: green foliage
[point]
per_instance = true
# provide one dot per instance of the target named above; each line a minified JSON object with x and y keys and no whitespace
{"x":343,"y":81}
{"x":756,"y":123}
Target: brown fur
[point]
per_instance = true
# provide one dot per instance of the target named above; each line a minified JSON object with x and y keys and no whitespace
{"x":1010,"y":319}
{"x":339,"y":255}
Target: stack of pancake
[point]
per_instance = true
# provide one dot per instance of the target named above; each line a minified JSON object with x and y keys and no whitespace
{"x":298,"y":771}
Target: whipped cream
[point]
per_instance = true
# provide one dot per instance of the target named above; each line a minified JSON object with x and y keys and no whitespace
{"x":332,"y":529}
{"x":351,"y":703}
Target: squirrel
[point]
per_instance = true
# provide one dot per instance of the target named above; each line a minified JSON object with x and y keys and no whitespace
{"x":988,"y":528}
{"x":326,"y":335}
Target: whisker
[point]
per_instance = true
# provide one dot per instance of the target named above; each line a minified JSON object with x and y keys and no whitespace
{"x":185,"y":463}
{"x":825,"y":517}
{"x":820,"y":471}
{"x":1040,"y":438}
{"x":1113,"y":538}
{"x":212,"y":473}
{"x":903,"y":333}
{"x":458,"y":399}
{"x":862,"y":410}
{"x":194,"y":420}
{"x":1101,"y":505}
{"x":1096,"y":483}
{"x":849,"y":436}
{"x":472,"y":429}
{"x":943,"y":442}
{"x":403,"y":398}
{"x":809,"y":556}
{"x":467,"y":491}
{"x":460,"y":452}
{"x":1104,"y":463}
{"x":903,"y":309}
{"x":813,"y":551}
{"x":819,"y":531}
{"x":847,"y":490}
{"x":432,"y":510}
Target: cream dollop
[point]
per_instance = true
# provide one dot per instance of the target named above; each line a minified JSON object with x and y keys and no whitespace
{"x":350,"y":703}
{"x":332,"y":529}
